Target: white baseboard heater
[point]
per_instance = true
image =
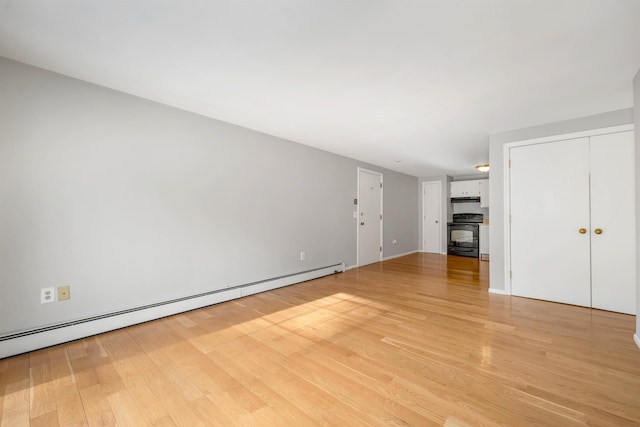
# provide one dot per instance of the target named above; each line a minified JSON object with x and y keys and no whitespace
{"x":33,"y":339}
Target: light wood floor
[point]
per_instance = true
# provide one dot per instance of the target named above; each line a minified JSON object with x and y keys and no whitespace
{"x":413,"y":341}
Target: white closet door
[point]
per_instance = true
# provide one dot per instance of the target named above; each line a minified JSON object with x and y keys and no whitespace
{"x":549,"y":205}
{"x":613,"y":252}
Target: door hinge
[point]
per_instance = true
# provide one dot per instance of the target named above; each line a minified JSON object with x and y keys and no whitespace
{"x":355,"y":201}
{"x":509,"y":218}
{"x":380,"y":216}
{"x":380,"y":185}
{"x":510,"y":274}
{"x":380,"y":248}
{"x":509,"y":163}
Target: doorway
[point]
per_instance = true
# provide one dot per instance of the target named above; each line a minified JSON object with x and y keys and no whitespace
{"x":369,"y":217}
{"x":431,"y":217}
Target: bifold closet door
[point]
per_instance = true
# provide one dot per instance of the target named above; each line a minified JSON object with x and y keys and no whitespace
{"x":613,"y":246}
{"x":549,"y":192}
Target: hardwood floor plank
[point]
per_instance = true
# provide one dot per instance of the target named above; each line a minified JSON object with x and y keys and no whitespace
{"x":46,"y":420}
{"x":96,"y":406}
{"x":416,"y":340}
{"x":42,"y":393}
{"x":127,"y":412}
{"x":16,"y":404}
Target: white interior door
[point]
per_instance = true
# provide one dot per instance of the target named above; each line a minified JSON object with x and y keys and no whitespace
{"x":613,"y":251}
{"x":369,"y":216}
{"x":549,"y":192}
{"x":431,"y":217}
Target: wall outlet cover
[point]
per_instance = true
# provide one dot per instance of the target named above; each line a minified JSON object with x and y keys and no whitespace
{"x":47,"y":295}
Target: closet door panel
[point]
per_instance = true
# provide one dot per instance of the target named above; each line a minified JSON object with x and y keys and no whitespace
{"x":613,"y":212}
{"x":549,"y":186}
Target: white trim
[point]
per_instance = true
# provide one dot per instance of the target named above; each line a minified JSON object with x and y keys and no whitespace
{"x":507,"y":181}
{"x":572,"y":135}
{"x":439,"y":253}
{"x":399,"y":255}
{"x":636,"y":338}
{"x":74,"y":331}
{"x":423,"y":219}
{"x":358,"y":215}
{"x":506,"y":174}
{"x":497,"y":291}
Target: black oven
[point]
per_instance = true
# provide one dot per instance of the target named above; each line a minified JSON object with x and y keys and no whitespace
{"x":463,"y":235}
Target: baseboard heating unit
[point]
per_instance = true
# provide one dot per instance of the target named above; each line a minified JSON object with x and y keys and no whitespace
{"x":33,"y":339}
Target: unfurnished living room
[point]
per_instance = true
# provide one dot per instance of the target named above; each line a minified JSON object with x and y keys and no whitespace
{"x":301,"y":213}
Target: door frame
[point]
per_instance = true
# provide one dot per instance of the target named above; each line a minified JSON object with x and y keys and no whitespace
{"x":506,"y":167}
{"x":360,"y":170}
{"x":439,"y":185}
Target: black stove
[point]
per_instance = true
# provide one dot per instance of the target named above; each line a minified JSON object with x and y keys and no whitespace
{"x":463,"y":234}
{"x":467,"y":218}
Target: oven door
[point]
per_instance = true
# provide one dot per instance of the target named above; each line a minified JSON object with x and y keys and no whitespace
{"x":463,"y":239}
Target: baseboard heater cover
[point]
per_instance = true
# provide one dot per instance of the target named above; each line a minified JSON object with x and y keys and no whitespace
{"x":33,"y":339}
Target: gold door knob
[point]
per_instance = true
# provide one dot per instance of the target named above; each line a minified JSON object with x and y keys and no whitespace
{"x":598,"y":231}
{"x":582,"y":230}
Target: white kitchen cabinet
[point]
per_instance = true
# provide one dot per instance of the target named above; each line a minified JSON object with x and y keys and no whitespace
{"x":465,"y":188}
{"x":573,"y":221}
{"x":484,"y":241}
{"x":484,"y":193}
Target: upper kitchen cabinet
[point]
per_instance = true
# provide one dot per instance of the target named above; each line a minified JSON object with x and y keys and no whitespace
{"x":484,"y":193}
{"x":476,"y":188}
{"x":465,"y":188}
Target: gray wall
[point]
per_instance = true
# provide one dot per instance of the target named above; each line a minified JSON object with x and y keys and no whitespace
{"x":496,"y":184}
{"x":131,"y":202}
{"x":636,"y":118}
{"x":401,"y":214}
{"x":445,"y":206}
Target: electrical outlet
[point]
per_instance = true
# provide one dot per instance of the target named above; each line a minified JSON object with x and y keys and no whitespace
{"x":301,"y":256}
{"x":64,"y":293}
{"x":47,"y":295}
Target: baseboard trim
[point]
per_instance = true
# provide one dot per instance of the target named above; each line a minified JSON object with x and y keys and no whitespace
{"x":636,"y":338}
{"x":34,"y":339}
{"x":399,"y":255}
{"x":435,"y":253}
{"x":497,"y":291}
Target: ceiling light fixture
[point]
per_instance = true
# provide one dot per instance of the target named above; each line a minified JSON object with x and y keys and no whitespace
{"x":483,"y":168}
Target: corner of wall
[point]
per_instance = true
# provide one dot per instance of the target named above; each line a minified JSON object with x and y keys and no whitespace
{"x":636,"y":120}
{"x":496,"y":212}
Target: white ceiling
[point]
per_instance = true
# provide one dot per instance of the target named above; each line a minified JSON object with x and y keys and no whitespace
{"x":424,"y":82}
